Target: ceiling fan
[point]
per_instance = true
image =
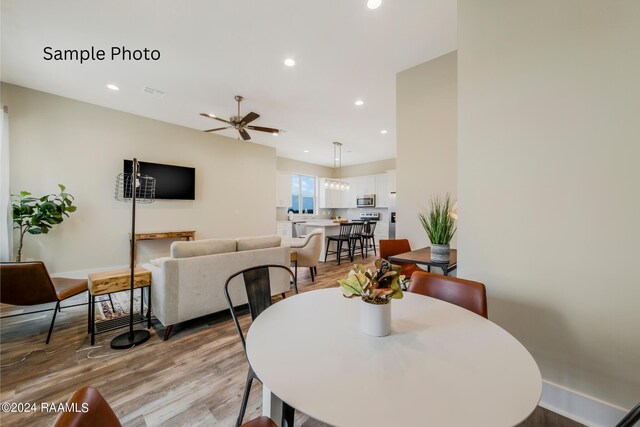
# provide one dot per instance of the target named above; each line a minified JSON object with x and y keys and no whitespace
{"x":240,"y":123}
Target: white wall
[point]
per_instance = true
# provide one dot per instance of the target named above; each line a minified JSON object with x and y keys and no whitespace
{"x":426,"y":140}
{"x":59,"y":140}
{"x":369,"y":168}
{"x":549,"y":183}
{"x":304,"y":168}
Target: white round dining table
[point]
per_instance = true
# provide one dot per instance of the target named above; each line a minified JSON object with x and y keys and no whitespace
{"x":442,"y":365}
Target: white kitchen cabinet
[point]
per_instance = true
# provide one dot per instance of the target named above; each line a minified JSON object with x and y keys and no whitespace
{"x":328,"y":198}
{"x":381,"y":231}
{"x":391,"y":175}
{"x":367,"y":185}
{"x":382,"y":191}
{"x":283,"y":189}
{"x":284,"y":229}
{"x":348,"y":197}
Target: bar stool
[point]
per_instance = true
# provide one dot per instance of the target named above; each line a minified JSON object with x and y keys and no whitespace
{"x":340,"y":239}
{"x":355,"y":238}
{"x":368,"y":237}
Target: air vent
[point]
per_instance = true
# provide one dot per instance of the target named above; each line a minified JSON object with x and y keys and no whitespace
{"x":154,"y":92}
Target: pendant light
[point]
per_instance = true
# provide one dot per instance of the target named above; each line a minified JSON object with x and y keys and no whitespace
{"x":338,"y":184}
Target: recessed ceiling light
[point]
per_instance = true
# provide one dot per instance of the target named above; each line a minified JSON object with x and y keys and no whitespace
{"x":289,"y":62}
{"x":113,"y":87}
{"x":383,"y":131}
{"x":359,"y":102}
{"x":306,"y":151}
{"x":337,"y":158}
{"x":374,"y":4}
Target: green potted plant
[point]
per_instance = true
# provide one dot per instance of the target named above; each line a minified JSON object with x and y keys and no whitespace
{"x":376,"y":290}
{"x":440,"y":224}
{"x":35,"y":215}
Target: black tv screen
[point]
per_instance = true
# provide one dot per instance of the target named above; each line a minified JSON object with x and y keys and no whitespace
{"x":172,"y":182}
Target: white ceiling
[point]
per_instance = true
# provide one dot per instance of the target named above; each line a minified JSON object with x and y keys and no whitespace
{"x":213,"y":50}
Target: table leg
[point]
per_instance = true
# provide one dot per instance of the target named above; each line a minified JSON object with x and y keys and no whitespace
{"x":88,"y":312}
{"x":295,"y":276}
{"x":149,"y":308}
{"x":271,"y":406}
{"x":93,"y":319}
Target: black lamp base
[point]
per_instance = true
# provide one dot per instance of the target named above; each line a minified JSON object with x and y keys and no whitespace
{"x":129,"y":339}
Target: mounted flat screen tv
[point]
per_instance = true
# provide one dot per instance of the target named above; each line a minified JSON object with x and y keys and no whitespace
{"x":172,"y":182}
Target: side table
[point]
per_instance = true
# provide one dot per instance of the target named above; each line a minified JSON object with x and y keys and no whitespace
{"x":117,"y":281}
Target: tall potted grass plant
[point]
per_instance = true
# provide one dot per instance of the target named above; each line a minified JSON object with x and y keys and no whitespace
{"x":439,"y":221}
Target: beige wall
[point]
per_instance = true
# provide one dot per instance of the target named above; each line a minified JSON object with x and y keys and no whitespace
{"x":58,"y":140}
{"x":426,"y":140}
{"x":371,"y":168}
{"x":297,"y":167}
{"x":548,"y":151}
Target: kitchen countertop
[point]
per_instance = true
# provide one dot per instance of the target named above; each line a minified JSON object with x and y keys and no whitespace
{"x":327,"y":223}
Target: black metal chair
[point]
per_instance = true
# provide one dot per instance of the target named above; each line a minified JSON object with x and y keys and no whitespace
{"x":257,"y":284}
{"x":356,"y":238}
{"x":632,"y":418}
{"x":368,"y":237}
{"x":343,"y":238}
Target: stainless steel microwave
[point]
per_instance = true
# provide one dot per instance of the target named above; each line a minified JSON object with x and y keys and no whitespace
{"x":366,"y":201}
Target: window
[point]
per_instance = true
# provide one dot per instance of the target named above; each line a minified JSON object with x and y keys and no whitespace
{"x":303,"y":194}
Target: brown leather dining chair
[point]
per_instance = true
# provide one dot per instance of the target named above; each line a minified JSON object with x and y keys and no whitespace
{"x":389,"y":248}
{"x":463,"y":293}
{"x":29,"y":283}
{"x":99,"y":413}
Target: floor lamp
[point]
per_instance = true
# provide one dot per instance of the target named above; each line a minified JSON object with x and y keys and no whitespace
{"x":135,"y":188}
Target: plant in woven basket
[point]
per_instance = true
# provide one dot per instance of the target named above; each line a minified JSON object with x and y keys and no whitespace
{"x":378,"y":287}
{"x":35,"y":215}
{"x":440,"y":220}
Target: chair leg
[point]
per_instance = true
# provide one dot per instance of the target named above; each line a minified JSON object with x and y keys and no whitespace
{"x":312,"y":278}
{"x":373,"y":240}
{"x":245,"y":396}
{"x":326,"y":250}
{"x":55,"y":311}
{"x":283,"y":295}
{"x":112,"y":307}
{"x":339,"y":251}
{"x":287,"y":415}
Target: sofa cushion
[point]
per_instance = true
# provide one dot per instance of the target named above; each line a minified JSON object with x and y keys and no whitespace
{"x":260,"y":242}
{"x":202,"y":247}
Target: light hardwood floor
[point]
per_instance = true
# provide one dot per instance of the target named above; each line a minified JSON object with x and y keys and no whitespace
{"x":195,"y":378}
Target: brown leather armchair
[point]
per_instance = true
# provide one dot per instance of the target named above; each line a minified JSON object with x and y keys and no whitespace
{"x":390,"y":248}
{"x":29,"y":283}
{"x":99,"y":413}
{"x":464,"y":293}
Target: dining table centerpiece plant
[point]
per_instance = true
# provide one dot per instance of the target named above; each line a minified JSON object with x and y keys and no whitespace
{"x":439,"y":221}
{"x":376,"y":290}
{"x":37,"y":215}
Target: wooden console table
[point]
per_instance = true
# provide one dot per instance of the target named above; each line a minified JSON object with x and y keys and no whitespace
{"x":187,"y":235}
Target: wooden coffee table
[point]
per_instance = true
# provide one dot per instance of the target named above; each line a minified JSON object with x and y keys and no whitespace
{"x":117,"y":281}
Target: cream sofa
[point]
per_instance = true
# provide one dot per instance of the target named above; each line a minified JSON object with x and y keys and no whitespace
{"x":190,"y":283}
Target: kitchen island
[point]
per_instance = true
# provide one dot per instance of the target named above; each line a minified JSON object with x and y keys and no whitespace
{"x":328,"y":228}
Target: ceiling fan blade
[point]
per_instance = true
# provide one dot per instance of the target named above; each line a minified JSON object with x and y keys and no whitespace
{"x":264,"y":129}
{"x":250,"y":117}
{"x":213,"y":130}
{"x":244,"y":134}
{"x":211,"y":116}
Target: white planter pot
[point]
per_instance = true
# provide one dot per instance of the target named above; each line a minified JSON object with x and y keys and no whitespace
{"x":375,"y":319}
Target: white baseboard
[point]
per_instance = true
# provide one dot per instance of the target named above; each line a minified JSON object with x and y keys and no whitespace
{"x":584,"y":409}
